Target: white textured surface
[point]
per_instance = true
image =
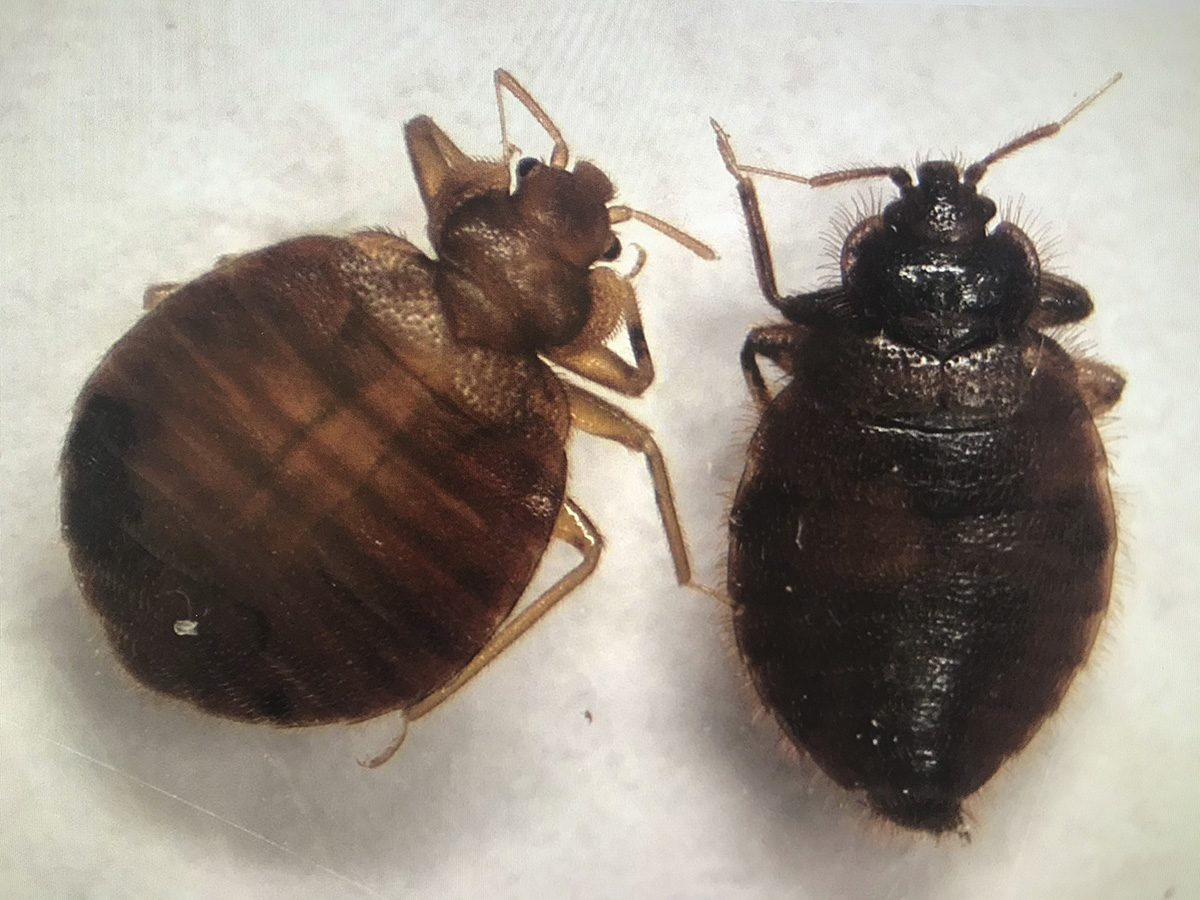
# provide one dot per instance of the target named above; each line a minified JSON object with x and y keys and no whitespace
{"x":138,"y":142}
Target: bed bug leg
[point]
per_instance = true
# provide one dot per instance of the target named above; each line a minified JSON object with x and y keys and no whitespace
{"x":157,"y":293}
{"x":1060,"y":301}
{"x":614,"y":304}
{"x":598,"y":417}
{"x":572,"y":526}
{"x":389,"y":751}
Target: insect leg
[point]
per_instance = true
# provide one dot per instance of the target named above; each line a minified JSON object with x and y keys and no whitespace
{"x":798,"y":307}
{"x":157,"y":293}
{"x":1060,"y":301}
{"x":613,"y":302}
{"x":775,"y":342}
{"x":572,"y":526}
{"x":598,"y":417}
{"x":1100,"y":385}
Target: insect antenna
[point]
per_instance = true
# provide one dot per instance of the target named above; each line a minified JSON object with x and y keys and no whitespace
{"x":974,"y":172}
{"x":899,"y":176}
{"x":560,"y":154}
{"x":617,"y":214}
{"x":825,"y":179}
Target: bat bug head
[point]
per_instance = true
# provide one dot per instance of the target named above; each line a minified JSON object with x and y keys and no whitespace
{"x":942,"y":208}
{"x":926,"y":272}
{"x":567,"y":210}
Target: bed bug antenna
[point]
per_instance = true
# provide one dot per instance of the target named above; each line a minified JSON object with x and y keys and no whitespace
{"x":617,"y":214}
{"x":560,"y":154}
{"x":974,"y":172}
{"x":899,"y":176}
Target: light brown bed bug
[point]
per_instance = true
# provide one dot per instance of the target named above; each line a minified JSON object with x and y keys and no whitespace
{"x":312,"y":485}
{"x":922,"y":543}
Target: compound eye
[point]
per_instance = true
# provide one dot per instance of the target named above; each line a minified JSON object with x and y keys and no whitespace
{"x":614,"y":250}
{"x":525,"y":166}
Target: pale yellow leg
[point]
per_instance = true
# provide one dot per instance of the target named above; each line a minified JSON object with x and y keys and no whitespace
{"x":574,"y":528}
{"x":598,"y":417}
{"x":613,"y":303}
{"x":157,"y":293}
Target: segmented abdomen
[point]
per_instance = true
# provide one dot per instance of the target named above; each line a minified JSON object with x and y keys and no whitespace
{"x":912,"y":604}
{"x":277,"y":518}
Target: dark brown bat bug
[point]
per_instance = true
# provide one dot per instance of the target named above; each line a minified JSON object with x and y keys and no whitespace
{"x":312,"y":485}
{"x":921,"y":545}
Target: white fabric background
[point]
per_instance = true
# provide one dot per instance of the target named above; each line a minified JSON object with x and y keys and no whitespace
{"x":140,"y":141}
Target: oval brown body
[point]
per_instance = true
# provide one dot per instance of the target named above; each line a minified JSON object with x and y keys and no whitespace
{"x":311,"y":485}
{"x":922,"y":543}
{"x":284,"y":509}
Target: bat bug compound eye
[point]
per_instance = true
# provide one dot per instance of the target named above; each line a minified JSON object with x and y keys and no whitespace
{"x":526,"y":165}
{"x":614,"y":249}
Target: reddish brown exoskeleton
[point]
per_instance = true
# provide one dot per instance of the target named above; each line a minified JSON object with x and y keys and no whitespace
{"x":312,"y":485}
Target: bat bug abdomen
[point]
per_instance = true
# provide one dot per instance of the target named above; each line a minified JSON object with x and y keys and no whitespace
{"x":922,"y":613}
{"x":922,"y":543}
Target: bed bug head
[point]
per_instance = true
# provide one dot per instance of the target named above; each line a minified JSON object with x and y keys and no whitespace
{"x":943,"y":207}
{"x":515,"y":255}
{"x":516,"y":245}
{"x":567,"y":210}
{"x":925,"y":272}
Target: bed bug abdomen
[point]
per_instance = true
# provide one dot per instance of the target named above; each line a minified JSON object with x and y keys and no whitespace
{"x":278,"y":517}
